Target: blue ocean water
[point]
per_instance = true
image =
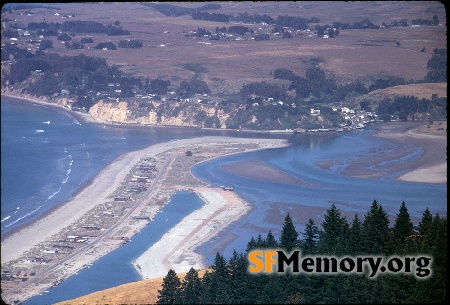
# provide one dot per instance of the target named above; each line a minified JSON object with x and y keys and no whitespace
{"x":115,"y":268}
{"x":47,"y":155}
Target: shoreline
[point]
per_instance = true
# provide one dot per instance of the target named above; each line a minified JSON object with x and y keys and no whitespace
{"x":429,"y":167}
{"x":177,"y":248}
{"x":50,"y":228}
{"x":50,"y":210}
{"x":120,"y":168}
{"x":85,"y":117}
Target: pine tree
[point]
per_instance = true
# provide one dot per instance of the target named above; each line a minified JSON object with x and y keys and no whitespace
{"x":260,"y":242}
{"x":251,"y":245}
{"x":289,"y":235}
{"x":376,"y":231}
{"x":237,"y":279}
{"x":424,"y":226}
{"x":190,"y":288}
{"x":220,"y":266}
{"x":333,"y":237}
{"x":356,"y":238}
{"x":270,"y":241}
{"x":170,"y":286}
{"x":434,"y":289}
{"x":218,"y":285}
{"x":403,"y":227}
{"x":310,"y":237}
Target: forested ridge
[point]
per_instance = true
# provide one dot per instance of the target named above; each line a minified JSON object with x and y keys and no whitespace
{"x":229,"y":282}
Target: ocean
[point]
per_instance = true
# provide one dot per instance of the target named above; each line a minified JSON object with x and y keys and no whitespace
{"x":47,"y":155}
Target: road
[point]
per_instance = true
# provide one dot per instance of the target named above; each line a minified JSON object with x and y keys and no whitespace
{"x":40,"y":275}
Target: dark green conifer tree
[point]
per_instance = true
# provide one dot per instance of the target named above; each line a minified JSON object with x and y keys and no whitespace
{"x":251,"y":244}
{"x":432,"y":289}
{"x":376,"y":231}
{"x":237,"y":279}
{"x":208,"y":295}
{"x":171,"y":284}
{"x":289,"y":235}
{"x":219,"y":288}
{"x":402,"y":229}
{"x":220,"y":266}
{"x":270,"y":241}
{"x":438,"y":242}
{"x":260,"y":242}
{"x":190,"y":290}
{"x":311,"y":236}
{"x":424,"y":226}
{"x":333,"y":237}
{"x":356,"y":238}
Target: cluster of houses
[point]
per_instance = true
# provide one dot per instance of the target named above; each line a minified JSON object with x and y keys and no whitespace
{"x":9,"y":275}
{"x":140,"y":180}
{"x":353,"y":120}
{"x":138,"y":183}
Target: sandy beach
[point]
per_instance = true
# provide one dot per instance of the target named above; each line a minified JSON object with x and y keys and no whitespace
{"x":174,"y":174}
{"x":431,"y":166}
{"x":403,"y":139}
{"x":85,"y":117}
{"x":177,"y":248}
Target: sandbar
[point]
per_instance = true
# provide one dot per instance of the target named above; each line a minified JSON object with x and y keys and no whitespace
{"x":173,"y":175}
{"x":429,"y":167}
{"x":427,"y":162}
{"x":261,"y":171}
{"x":176,"y":249}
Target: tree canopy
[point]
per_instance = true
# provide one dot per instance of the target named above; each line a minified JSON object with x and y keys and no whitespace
{"x":229,"y":282}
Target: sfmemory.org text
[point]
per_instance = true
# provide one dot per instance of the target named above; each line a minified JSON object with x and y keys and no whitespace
{"x":277,"y":261}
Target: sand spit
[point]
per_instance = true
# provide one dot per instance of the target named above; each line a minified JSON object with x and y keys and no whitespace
{"x":24,"y":250}
{"x":176,"y":249}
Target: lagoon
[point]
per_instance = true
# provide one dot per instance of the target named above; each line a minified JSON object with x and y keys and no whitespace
{"x":91,"y":147}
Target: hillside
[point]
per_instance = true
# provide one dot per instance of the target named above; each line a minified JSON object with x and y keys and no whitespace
{"x":418,"y":90}
{"x":228,"y":64}
{"x":264,"y":68}
{"x":140,"y":292}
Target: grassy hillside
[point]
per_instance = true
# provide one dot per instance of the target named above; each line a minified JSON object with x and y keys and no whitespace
{"x":141,"y":292}
{"x":417,"y":90}
{"x":229,"y":64}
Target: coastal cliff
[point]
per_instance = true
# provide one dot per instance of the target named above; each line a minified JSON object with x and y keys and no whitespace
{"x":160,"y":113}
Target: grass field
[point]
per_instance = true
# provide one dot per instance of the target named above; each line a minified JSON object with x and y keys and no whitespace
{"x":353,"y":54}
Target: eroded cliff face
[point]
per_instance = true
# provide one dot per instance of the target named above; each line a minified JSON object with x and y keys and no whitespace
{"x":160,"y":113}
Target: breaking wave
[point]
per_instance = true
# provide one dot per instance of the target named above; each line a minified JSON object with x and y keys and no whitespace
{"x":66,"y":177}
